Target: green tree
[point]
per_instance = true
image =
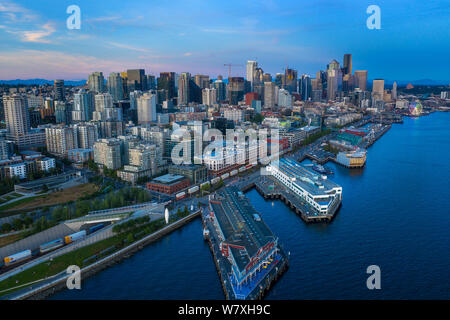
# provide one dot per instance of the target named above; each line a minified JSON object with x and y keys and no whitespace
{"x":6,"y":227}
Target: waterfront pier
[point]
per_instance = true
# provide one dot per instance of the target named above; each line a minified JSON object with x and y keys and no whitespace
{"x":247,"y":255}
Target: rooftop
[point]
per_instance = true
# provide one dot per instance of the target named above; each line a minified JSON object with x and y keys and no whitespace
{"x":313,"y":183}
{"x":241,"y":225}
{"x":168,"y":178}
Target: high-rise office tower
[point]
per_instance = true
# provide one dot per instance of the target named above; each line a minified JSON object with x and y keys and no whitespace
{"x":267,"y":77}
{"x":361,"y":79}
{"x":221,"y":88}
{"x":279,"y":80}
{"x":96,"y":82}
{"x":59,"y":90}
{"x":290,"y":80}
{"x":305,"y":87}
{"x":236,"y":90}
{"x":347,"y":64}
{"x":151,"y":83}
{"x":124,"y":77}
{"x":394,"y":91}
{"x":16,"y":115}
{"x":136,"y":80}
{"x":166,"y":81}
{"x":202,"y":81}
{"x":269,"y":95}
{"x":334,"y":79}
{"x":115,"y":86}
{"x":146,"y":108}
{"x":184,"y":88}
{"x":347,"y":83}
{"x":251,"y":68}
{"x":378,"y":89}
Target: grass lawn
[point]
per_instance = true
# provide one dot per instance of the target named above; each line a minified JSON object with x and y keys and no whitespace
{"x":54,"y":198}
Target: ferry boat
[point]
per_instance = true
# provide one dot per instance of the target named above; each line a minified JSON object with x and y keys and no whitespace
{"x":321,"y":169}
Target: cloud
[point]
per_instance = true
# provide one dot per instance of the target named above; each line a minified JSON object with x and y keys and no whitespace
{"x":126,"y":46}
{"x":188,"y":54}
{"x":14,"y":13}
{"x":50,"y":64}
{"x":36,"y":35}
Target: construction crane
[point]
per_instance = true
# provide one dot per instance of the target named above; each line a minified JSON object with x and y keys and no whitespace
{"x":229,"y":65}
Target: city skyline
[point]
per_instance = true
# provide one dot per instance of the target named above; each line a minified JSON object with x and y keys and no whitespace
{"x":174,"y":37}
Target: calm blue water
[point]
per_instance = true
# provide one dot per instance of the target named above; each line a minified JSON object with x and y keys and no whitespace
{"x":395,"y":214}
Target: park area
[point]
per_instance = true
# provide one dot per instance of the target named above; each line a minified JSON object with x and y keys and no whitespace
{"x":54,"y":198}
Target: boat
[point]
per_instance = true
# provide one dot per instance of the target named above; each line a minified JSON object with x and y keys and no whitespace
{"x":321,"y":169}
{"x":205,"y":233}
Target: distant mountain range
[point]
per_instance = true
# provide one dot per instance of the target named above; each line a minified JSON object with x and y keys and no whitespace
{"x":41,"y":82}
{"x":423,"y":82}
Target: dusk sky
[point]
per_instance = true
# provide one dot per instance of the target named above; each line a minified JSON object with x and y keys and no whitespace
{"x":200,"y":36}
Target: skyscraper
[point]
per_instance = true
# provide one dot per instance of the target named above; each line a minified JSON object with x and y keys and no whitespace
{"x":251,"y":68}
{"x":83,"y":106}
{"x":146,"y":108}
{"x":115,"y":86}
{"x":236,"y":90}
{"x":136,"y":80}
{"x":269,"y":95}
{"x":221,"y":90}
{"x":290,"y":80}
{"x":202,"y":81}
{"x":166,"y":81}
{"x":96,"y":82}
{"x":305,"y":87}
{"x":16,"y":115}
{"x":347,"y":64}
{"x":209,"y":96}
{"x":59,"y":90}
{"x":184,"y":88}
{"x":63,"y":112}
{"x":378,"y":89}
{"x":361,"y":79}
{"x":394,"y":91}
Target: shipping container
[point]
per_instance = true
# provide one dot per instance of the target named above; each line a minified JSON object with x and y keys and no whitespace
{"x":51,"y":245}
{"x":180,"y":195}
{"x":20,"y":256}
{"x":95,"y":228}
{"x":193,"y":189}
{"x":75,"y":236}
{"x":204,"y":184}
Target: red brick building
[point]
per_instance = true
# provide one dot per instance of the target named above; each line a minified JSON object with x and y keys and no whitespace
{"x":168,"y":184}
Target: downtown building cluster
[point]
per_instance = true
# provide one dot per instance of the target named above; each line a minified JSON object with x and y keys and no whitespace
{"x":129,"y":122}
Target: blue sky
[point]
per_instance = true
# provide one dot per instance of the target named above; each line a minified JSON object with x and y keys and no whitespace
{"x":200,"y":36}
